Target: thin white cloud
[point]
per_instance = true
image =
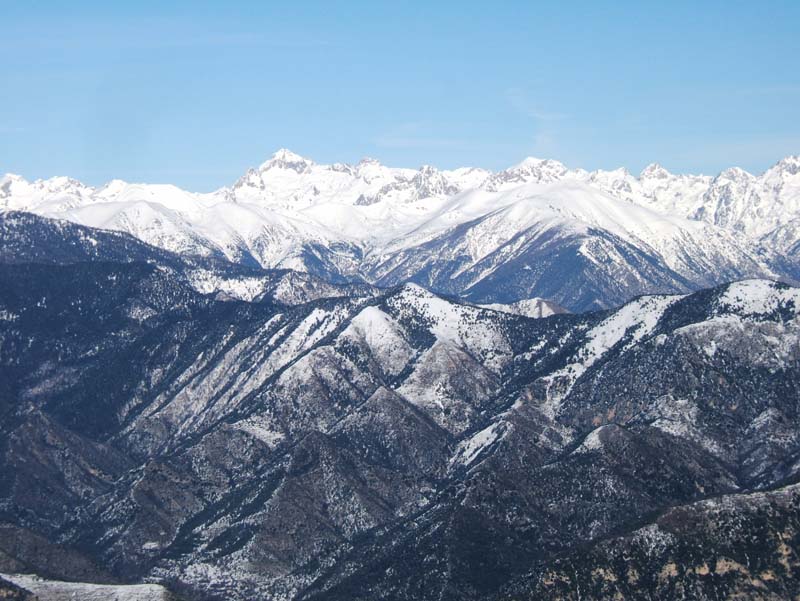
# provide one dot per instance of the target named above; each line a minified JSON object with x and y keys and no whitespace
{"x":525,"y":105}
{"x":544,"y":122}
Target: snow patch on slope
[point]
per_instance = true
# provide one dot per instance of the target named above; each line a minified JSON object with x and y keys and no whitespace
{"x":592,"y":442}
{"x":383,"y":336}
{"x":634,"y":320}
{"x":637,"y":319}
{"x":469,"y":449}
{"x":56,"y":590}
{"x":242,"y":288}
{"x":453,"y":323}
{"x":260,"y":429}
{"x":758,"y":297}
{"x":680,"y":418}
{"x":535,"y":308}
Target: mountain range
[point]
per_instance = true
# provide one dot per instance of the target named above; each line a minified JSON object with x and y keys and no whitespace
{"x":584,"y":240}
{"x":194,"y":424}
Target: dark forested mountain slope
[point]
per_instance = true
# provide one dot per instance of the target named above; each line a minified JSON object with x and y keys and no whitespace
{"x":394,"y":444}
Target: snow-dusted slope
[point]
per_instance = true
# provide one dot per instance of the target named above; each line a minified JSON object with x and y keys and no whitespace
{"x":261,"y":451}
{"x":529,"y":307}
{"x":466,"y":230}
{"x":56,"y":590}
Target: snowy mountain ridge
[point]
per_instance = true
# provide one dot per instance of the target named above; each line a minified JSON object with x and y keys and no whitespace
{"x":287,"y":177}
{"x":450,"y":230}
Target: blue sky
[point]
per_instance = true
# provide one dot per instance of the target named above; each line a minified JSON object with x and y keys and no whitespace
{"x":194,"y":93}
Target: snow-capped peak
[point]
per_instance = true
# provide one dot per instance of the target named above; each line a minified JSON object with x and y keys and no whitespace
{"x":654,"y":171}
{"x":789,"y":166}
{"x":734,"y":174}
{"x":527,"y":163}
{"x":294,"y":213}
{"x":113,"y":187}
{"x":413,"y":290}
{"x":286,"y":159}
{"x":8,"y":180}
{"x":534,"y":165}
{"x":529,"y":170}
{"x":429,"y":181}
{"x":59,"y":184}
{"x":602,"y":175}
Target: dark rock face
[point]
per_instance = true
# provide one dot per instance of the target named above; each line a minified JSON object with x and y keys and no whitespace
{"x":732,"y":547}
{"x":393,"y":445}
